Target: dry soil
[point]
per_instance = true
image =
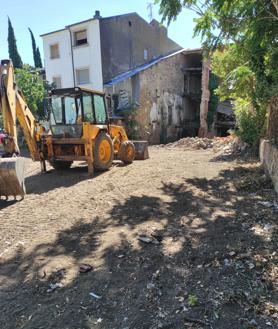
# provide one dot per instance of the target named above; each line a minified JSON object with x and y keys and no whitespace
{"x":211,"y":260}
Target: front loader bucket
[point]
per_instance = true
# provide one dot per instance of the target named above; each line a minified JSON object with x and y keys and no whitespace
{"x":12,"y":172}
{"x":141,"y":150}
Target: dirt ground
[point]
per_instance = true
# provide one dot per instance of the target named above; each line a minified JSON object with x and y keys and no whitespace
{"x":208,"y":258}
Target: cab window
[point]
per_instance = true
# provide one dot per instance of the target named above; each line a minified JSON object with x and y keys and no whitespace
{"x":100,"y":111}
{"x":71,"y":109}
{"x":56,"y":113}
{"x":88,"y":108}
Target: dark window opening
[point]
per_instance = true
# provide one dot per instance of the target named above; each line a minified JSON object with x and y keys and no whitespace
{"x":80,"y":38}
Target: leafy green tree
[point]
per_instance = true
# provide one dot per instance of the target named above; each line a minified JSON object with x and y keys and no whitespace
{"x":13,"y":52}
{"x":246,"y":33}
{"x":236,"y":77}
{"x":33,"y":88}
{"x":36,"y":51}
{"x":238,"y":82}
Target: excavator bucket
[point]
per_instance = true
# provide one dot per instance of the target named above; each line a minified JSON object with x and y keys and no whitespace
{"x":12,"y":172}
{"x":141,"y":150}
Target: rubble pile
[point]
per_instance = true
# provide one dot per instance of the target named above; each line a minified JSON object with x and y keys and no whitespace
{"x":226,"y":145}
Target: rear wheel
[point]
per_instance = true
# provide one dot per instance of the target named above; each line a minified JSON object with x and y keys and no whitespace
{"x":127,"y":152}
{"x":60,"y":165}
{"x":103,"y":152}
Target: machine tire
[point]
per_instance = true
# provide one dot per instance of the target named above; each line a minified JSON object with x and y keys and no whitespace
{"x":103,"y":152}
{"x":60,"y":165}
{"x":127,"y":152}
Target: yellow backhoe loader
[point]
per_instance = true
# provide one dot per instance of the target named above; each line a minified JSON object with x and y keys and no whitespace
{"x":77,"y":129}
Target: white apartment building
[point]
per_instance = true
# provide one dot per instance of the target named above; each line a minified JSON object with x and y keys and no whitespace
{"x":92,"y":52}
{"x":72,"y":56}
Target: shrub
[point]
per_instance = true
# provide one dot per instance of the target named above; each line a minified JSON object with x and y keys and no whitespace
{"x":250,"y":122}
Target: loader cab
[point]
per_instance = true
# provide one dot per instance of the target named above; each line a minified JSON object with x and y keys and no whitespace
{"x":70,"y":107}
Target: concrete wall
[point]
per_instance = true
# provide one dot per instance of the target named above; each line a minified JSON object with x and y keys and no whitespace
{"x":89,"y":56}
{"x":269,"y":159}
{"x":164,"y":114}
{"x":62,"y":66}
{"x":84,"y":56}
{"x":124,"y":39}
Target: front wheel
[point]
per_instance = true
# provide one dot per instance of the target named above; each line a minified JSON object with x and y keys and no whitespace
{"x":127,"y":152}
{"x":103,"y":152}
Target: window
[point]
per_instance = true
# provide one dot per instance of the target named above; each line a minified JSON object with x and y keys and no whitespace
{"x":57,"y":82}
{"x":88,"y":108}
{"x":80,"y":38}
{"x":56,"y":113}
{"x":145,"y":54}
{"x":54,"y":51}
{"x":71,"y":109}
{"x":100,"y":109}
{"x":83,"y":76}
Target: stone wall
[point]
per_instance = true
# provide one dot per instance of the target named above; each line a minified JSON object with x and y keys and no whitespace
{"x":269,"y":159}
{"x":164,"y":113}
{"x":269,"y":147}
{"x":272,"y":126}
{"x":162,"y":108}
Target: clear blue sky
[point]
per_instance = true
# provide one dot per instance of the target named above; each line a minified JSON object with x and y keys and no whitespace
{"x":50,"y":15}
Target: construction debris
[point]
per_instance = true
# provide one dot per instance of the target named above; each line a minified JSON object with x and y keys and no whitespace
{"x":84,"y":268}
{"x":150,"y":239}
{"x":226,"y":145}
{"x":269,"y":204}
{"x":92,"y":294}
{"x":54,"y":286}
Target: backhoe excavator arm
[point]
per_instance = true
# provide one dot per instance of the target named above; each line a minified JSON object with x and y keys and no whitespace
{"x":14,"y":107}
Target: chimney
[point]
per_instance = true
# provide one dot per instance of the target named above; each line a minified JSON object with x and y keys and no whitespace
{"x":97,"y":14}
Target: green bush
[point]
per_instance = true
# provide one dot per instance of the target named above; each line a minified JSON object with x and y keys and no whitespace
{"x":250,"y":122}
{"x":131,"y":125}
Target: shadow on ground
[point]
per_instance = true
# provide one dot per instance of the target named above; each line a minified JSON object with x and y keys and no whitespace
{"x":205,"y":273}
{"x":41,"y":183}
{"x":7,"y":203}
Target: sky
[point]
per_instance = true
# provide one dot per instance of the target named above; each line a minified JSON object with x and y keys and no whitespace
{"x":51,"y":15}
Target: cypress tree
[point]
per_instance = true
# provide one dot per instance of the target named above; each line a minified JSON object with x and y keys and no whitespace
{"x":34,"y":47}
{"x":38,"y":56}
{"x":13,"y":52}
{"x":36,"y":51}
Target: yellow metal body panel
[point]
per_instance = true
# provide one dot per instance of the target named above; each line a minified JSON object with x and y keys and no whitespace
{"x":89,"y":134}
{"x":118,"y":135}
